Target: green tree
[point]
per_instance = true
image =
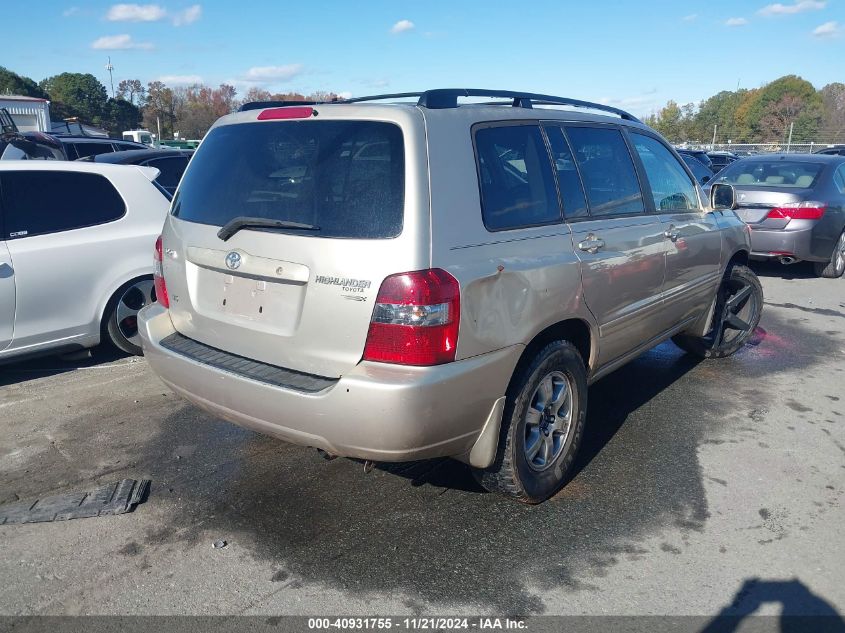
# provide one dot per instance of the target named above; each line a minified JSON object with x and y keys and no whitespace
{"x":670,"y":122}
{"x":76,"y":94}
{"x":12,"y":83}
{"x":120,"y":115}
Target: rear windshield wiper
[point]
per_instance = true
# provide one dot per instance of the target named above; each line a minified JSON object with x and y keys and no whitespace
{"x":236,"y":224}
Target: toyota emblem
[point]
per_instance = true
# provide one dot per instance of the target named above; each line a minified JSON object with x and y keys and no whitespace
{"x":233,"y":260}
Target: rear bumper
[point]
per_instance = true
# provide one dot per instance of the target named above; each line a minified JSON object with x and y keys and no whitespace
{"x":377,"y":411}
{"x":772,"y":243}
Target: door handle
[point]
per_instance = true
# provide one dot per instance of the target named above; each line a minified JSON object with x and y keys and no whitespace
{"x":592,"y":244}
{"x":671,"y":233}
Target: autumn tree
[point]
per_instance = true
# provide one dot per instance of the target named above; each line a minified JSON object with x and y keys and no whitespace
{"x":833,"y":111}
{"x":131,"y":90}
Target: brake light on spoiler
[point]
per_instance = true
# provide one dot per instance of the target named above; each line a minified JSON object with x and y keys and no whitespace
{"x":289,"y":112}
{"x":808,"y":210}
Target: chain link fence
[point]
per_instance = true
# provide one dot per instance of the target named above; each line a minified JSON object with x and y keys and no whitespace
{"x":760,"y":148}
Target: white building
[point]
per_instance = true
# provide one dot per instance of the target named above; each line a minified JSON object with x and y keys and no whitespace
{"x":29,"y":113}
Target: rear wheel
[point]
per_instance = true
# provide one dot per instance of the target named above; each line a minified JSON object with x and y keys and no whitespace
{"x":836,"y":266}
{"x":541,"y":427}
{"x":739,"y":303}
{"x":122,"y":315}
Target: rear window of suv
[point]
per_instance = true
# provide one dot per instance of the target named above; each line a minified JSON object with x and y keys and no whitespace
{"x":346,"y":177}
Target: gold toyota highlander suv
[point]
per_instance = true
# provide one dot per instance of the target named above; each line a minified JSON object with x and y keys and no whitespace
{"x":411,"y":276}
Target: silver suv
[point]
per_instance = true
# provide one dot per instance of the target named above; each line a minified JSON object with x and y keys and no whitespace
{"x":408,"y":280}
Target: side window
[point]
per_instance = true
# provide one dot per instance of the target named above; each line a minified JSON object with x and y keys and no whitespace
{"x":608,"y":172}
{"x":839,"y":178}
{"x":517,"y":185}
{"x":92,"y":149}
{"x":40,"y":202}
{"x":670,"y":185}
{"x":571,"y":192}
{"x":701,"y":173}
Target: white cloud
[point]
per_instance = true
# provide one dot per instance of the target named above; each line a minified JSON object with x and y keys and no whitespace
{"x":799,"y":6}
{"x":828,"y":29}
{"x":188,"y":16}
{"x":736,"y":22}
{"x":70,"y":11}
{"x":180,"y":80}
{"x":344,"y":94}
{"x":402,"y":26}
{"x":690,"y":18}
{"x":119,"y":43}
{"x":273,"y":73}
{"x":135,"y":13}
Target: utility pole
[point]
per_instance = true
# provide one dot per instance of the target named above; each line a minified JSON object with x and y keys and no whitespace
{"x":789,"y":141}
{"x":110,"y":68}
{"x":713,"y":144}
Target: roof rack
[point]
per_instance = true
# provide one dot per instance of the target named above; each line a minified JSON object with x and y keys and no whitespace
{"x":445,"y":98}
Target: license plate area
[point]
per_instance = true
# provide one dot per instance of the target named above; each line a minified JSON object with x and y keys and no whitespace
{"x":260,"y":303}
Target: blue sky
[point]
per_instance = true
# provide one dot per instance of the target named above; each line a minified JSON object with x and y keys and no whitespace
{"x":635,"y":55}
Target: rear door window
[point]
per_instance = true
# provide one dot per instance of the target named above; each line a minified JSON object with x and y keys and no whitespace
{"x":515,"y":174}
{"x":607,"y":170}
{"x":568,"y":180}
{"x":671,"y":187}
{"x":41,"y":202}
{"x":345,"y":177}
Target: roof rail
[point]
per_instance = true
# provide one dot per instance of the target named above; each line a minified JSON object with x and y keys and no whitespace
{"x":448,"y":98}
{"x":444,"y":98}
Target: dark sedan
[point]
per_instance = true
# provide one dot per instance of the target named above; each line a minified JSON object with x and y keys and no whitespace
{"x":698,"y":154}
{"x":170,"y":162}
{"x":795,"y":207}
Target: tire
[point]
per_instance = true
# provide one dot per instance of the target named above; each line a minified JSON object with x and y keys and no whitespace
{"x":556,"y":370}
{"x":835,"y":268}
{"x":120,"y":320}
{"x":739,"y":304}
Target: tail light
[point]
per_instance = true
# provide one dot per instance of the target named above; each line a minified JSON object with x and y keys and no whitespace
{"x":415,"y":319}
{"x":798,"y":211}
{"x":158,"y":276}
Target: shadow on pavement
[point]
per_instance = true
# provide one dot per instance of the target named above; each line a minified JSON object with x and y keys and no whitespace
{"x":800,"y":270}
{"x":802,"y":611}
{"x":15,"y":372}
{"x":422,"y":533}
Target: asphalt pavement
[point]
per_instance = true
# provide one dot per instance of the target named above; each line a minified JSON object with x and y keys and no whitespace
{"x":703,"y":488}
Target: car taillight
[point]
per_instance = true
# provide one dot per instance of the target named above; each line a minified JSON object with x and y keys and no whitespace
{"x":158,"y":276}
{"x":415,"y":319}
{"x":798,"y":211}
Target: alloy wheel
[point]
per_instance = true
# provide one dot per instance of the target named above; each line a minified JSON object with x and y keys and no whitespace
{"x":548,"y":420}
{"x":135,"y":297}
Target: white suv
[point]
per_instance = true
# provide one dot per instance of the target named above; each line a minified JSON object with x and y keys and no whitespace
{"x":74,"y":254}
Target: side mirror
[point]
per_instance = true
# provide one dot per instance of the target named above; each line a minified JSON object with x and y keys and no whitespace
{"x":722,"y":197}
